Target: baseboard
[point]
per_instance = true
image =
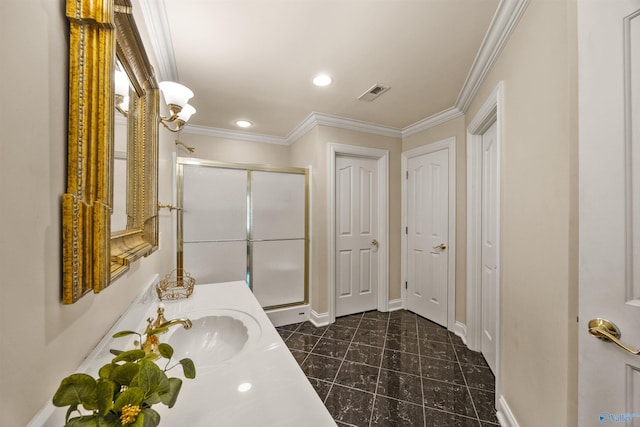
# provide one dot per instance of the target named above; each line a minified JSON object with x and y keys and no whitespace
{"x":289,"y":315}
{"x":505,"y":416}
{"x":460,"y":329}
{"x":395,"y":304}
{"x":319,"y":319}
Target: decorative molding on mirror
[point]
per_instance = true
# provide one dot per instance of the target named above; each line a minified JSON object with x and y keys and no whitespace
{"x":86,"y":204}
{"x":93,"y":256}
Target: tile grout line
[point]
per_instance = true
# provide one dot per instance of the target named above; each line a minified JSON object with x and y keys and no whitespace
{"x":375,"y":393}
{"x":315,"y":345}
{"x":359,"y":327}
{"x":424,"y":410}
{"x":466,"y":386}
{"x":343,"y":359}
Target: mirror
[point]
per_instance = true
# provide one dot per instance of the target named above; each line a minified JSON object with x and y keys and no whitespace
{"x":120,"y":138}
{"x":93,"y":256}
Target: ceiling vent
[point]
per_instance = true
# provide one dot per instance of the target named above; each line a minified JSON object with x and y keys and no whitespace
{"x":373,"y":92}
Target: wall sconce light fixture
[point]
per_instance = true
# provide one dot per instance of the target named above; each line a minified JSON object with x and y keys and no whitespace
{"x":177,"y":97}
{"x":122,"y":92}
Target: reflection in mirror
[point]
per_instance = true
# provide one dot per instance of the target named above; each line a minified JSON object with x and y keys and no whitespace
{"x":140,"y":236}
{"x":120,"y":138}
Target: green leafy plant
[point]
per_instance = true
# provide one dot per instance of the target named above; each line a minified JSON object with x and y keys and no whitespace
{"x":126,"y":388}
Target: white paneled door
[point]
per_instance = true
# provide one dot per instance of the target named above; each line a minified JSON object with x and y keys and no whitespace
{"x":609,"y":212}
{"x":428,"y":235}
{"x":356,"y":241}
{"x":489,"y":256}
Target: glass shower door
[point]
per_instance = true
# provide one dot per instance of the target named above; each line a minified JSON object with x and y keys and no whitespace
{"x":214,"y":212}
{"x":277,"y":238}
{"x":245,"y":223}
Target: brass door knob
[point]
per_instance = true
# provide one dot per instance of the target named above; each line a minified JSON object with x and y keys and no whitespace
{"x":608,"y":331}
{"x":374,"y":242}
{"x":441,"y":246}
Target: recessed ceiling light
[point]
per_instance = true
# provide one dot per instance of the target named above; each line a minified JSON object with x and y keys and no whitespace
{"x":244,"y":387}
{"x":243,"y":123}
{"x":322,"y":80}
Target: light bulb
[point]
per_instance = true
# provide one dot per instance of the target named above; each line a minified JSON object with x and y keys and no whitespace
{"x":186,"y":113}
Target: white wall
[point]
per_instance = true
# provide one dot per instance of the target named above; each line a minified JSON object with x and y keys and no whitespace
{"x":41,"y":339}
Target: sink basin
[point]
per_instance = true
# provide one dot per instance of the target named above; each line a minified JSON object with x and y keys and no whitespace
{"x":214,"y":338}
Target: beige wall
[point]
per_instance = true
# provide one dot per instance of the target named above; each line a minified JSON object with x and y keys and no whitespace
{"x":453,"y":128}
{"x":539,"y":264}
{"x":312,"y":149}
{"x":305,"y":153}
{"x":234,"y":151}
{"x":43,"y":340}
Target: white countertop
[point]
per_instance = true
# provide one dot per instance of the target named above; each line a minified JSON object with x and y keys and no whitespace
{"x":279,"y":394}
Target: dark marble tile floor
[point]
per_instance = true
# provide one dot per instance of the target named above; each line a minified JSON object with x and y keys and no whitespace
{"x":394,"y":369}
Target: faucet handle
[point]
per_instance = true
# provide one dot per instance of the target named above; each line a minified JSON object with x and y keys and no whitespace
{"x":160,"y":319}
{"x":149,"y":325}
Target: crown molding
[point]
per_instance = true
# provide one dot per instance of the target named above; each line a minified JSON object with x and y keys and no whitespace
{"x":356,"y":125}
{"x":504,"y":21}
{"x":305,"y":126}
{"x":321,"y":119}
{"x":234,"y":134}
{"x":502,"y":25}
{"x":154,"y":13}
{"x":314,"y":119}
{"x":431,"y":121}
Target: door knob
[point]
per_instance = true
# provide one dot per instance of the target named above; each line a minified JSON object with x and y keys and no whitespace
{"x":441,"y":246}
{"x":374,"y":242}
{"x":608,"y":331}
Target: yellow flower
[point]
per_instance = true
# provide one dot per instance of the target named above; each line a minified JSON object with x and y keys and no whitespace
{"x":151,"y":344}
{"x":129,"y":414}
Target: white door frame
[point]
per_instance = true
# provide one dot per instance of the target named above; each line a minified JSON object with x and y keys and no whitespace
{"x":490,"y":112}
{"x":382,"y":157}
{"x":450,"y":145}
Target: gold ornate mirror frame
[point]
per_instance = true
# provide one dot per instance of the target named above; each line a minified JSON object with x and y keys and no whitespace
{"x":93,"y":257}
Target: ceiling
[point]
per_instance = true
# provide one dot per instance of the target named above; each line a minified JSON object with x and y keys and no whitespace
{"x":255,"y":59}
